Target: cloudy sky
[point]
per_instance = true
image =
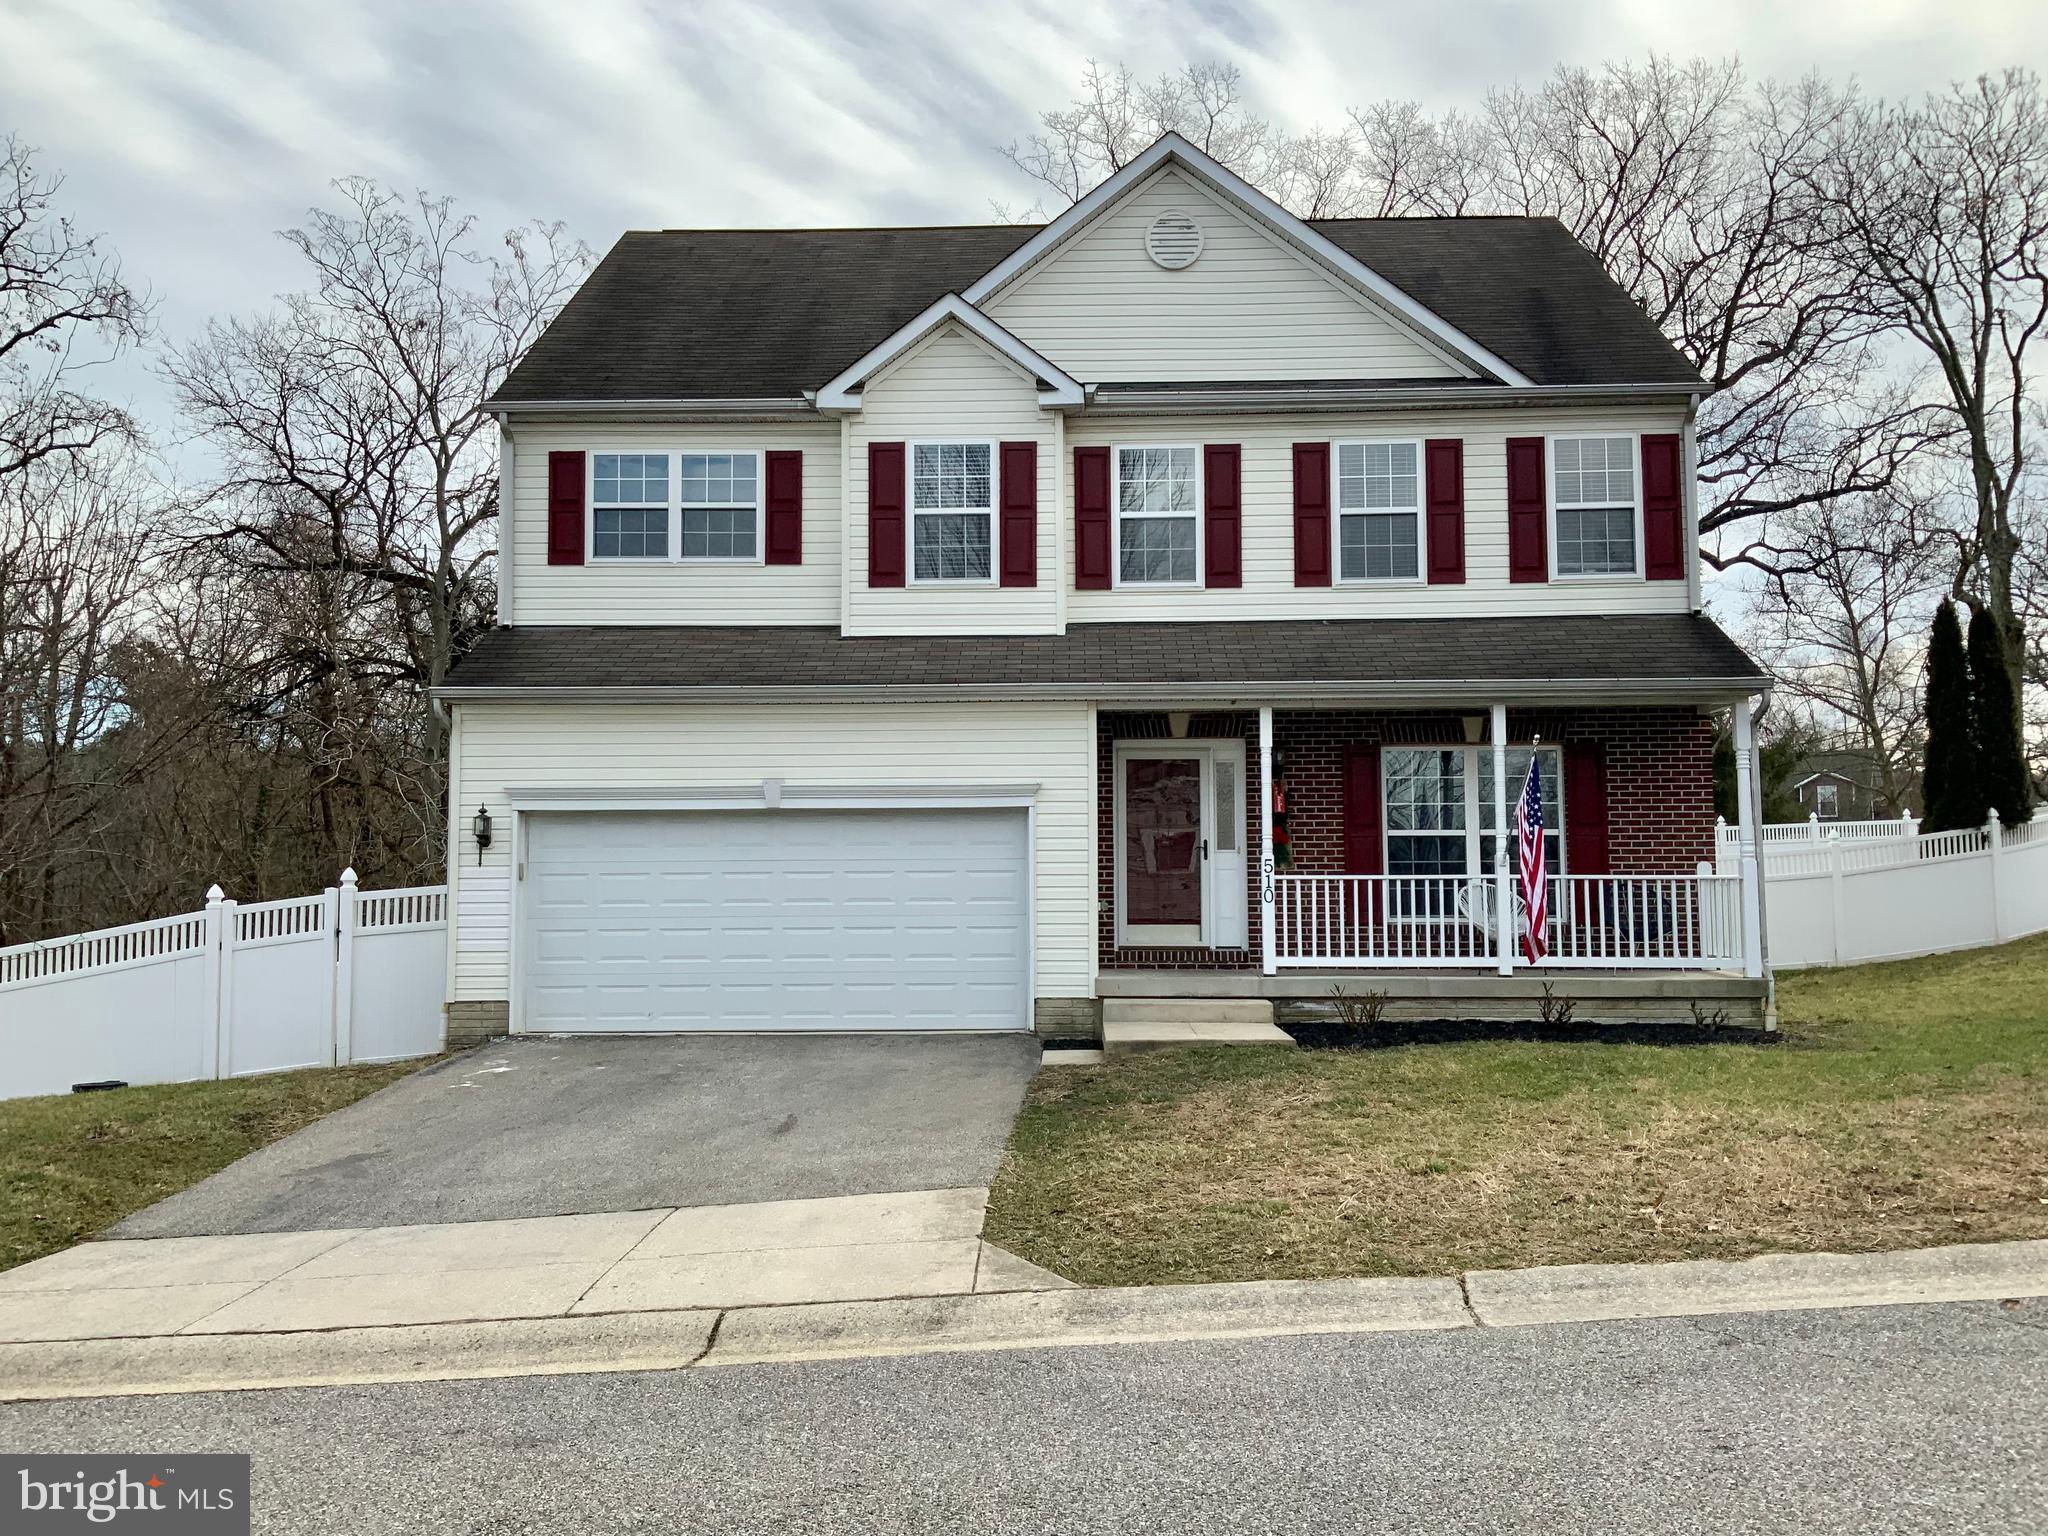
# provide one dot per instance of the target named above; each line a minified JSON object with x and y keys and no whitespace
{"x":191,"y":132}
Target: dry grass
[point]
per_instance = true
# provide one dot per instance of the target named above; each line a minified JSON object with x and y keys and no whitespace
{"x":73,"y":1164}
{"x":1907,"y":1105}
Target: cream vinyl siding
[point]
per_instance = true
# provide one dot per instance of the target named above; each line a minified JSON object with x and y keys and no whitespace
{"x":951,"y":388}
{"x":678,"y":592}
{"x":663,"y":746}
{"x":1269,"y":591}
{"x":1251,"y":307}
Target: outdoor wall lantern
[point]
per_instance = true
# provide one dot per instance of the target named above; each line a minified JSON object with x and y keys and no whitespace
{"x":480,"y":829}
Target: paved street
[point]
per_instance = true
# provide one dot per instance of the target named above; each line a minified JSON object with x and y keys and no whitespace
{"x":1892,"y":1419}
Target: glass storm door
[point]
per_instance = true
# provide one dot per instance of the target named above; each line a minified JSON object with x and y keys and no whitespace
{"x":1163,"y":846}
{"x":1180,"y":844}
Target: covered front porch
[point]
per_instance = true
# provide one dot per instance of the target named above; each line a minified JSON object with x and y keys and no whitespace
{"x":1279,"y":851}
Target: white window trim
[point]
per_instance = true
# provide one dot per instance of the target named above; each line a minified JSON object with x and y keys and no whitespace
{"x":1827,"y":801}
{"x":1338,"y":514}
{"x":675,"y":555}
{"x":912,"y":513}
{"x":1116,"y":519}
{"x":1477,"y":781}
{"x":590,"y":508}
{"x":1551,"y":509}
{"x":760,"y":554}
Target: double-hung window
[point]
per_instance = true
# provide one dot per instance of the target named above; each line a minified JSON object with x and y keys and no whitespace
{"x":952,"y":511}
{"x":721,"y":506}
{"x":1594,"y":494}
{"x":1379,"y":511}
{"x":1158,"y":522}
{"x":629,"y":506}
{"x":1827,"y":802}
{"x":1439,"y":814}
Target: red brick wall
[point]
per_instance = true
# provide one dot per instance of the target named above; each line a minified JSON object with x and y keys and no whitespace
{"x":1660,"y":793}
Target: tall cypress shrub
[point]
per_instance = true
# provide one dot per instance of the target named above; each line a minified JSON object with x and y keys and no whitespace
{"x":1995,"y":726}
{"x":1949,"y":785}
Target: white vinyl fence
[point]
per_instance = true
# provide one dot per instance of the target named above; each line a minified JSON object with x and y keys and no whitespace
{"x":1843,"y":902}
{"x":1783,"y":839}
{"x":312,"y":981}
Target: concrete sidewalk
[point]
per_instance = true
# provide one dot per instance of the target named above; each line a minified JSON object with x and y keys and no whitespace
{"x":666,"y":1317}
{"x":844,"y":1248}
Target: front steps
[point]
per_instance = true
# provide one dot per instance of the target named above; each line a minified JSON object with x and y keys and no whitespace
{"x":1132,"y":1024}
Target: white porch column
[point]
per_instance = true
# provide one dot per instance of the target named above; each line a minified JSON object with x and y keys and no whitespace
{"x":1503,"y":877}
{"x":1747,"y":777}
{"x":1267,"y":905}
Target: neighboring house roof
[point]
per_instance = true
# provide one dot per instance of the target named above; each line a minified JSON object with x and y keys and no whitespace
{"x":766,"y":314}
{"x":1545,"y":656}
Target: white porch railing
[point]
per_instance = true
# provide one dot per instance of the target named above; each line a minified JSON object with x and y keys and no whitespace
{"x":1617,"y":922}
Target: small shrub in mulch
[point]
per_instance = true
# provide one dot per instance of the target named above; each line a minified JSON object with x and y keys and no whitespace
{"x":1334,"y":1035}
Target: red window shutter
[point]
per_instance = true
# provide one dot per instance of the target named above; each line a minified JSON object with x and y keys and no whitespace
{"x":1585,"y":808}
{"x":1222,"y":516}
{"x":1362,"y":809}
{"x":1312,"y":515}
{"x":1017,"y":511}
{"x":1528,"y":539}
{"x":885,"y":514}
{"x":1091,"y":519}
{"x":785,"y":487}
{"x":1663,"y":509}
{"x":1444,"y":508}
{"x":565,"y":509}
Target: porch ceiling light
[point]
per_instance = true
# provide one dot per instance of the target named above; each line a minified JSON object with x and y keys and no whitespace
{"x":1475,"y":729}
{"x":480,"y":829}
{"x":1177,"y":722}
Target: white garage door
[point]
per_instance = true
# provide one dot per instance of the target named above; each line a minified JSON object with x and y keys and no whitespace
{"x":784,"y":919}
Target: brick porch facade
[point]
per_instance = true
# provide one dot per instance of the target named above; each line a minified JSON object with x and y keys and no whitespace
{"x":1659,"y":794}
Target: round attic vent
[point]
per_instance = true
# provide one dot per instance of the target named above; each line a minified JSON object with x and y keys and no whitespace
{"x":1174,"y":240}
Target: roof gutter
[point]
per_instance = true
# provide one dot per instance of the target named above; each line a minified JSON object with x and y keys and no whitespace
{"x":1367,"y":398}
{"x":766,"y":408}
{"x":1405,"y":690}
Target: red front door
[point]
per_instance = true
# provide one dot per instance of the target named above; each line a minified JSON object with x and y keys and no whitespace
{"x":1163,"y":841}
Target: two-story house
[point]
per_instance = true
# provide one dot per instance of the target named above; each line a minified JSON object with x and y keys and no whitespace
{"x":951,"y":628}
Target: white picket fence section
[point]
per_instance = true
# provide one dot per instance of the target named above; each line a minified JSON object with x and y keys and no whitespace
{"x":1788,"y":839}
{"x":1845,"y":902}
{"x":311,"y":981}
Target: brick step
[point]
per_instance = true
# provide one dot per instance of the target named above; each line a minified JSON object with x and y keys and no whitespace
{"x":1187,"y":1010}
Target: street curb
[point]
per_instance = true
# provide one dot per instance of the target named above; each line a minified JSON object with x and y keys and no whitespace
{"x":651,"y":1341}
{"x":236,"y":1362}
{"x":1042,"y":1319}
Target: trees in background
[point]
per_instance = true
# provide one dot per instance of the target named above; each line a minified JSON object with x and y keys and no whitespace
{"x":1995,"y":724}
{"x":1950,"y":787}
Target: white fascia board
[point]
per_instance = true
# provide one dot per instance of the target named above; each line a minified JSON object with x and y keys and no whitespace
{"x":1425,"y":322}
{"x":1061,"y":392}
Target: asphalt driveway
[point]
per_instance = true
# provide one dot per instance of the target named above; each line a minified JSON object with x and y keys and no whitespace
{"x":555,"y":1127}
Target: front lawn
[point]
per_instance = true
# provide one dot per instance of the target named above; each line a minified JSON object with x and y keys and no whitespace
{"x":1906,"y":1105}
{"x":72,"y":1164}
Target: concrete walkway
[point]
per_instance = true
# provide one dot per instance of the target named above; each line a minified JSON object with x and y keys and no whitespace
{"x":673,"y":1318}
{"x":846,"y":1248}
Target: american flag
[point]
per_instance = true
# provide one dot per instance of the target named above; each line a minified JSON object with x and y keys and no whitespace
{"x":1529,"y":837}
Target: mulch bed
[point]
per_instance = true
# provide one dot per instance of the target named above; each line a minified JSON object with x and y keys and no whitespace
{"x":1333,"y":1035}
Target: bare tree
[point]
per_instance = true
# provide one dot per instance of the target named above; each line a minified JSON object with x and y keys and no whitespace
{"x":1939,"y":213}
{"x":72,"y":576}
{"x":1842,"y":622}
{"x":353,"y":427}
{"x":63,"y":306}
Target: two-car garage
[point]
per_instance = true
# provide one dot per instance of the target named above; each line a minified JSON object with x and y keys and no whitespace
{"x":774,"y":919}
